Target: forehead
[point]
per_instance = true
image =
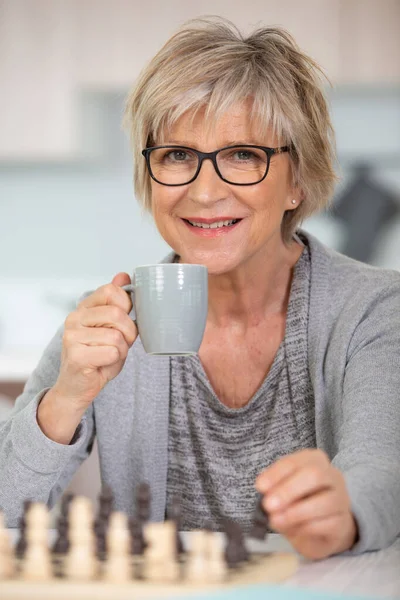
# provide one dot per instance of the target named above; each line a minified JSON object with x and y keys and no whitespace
{"x":236,"y":123}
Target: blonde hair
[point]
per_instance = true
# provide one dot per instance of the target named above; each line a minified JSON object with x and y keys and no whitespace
{"x":209,"y":63}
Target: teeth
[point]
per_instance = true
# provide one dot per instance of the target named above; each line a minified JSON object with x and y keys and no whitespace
{"x":213,"y":225}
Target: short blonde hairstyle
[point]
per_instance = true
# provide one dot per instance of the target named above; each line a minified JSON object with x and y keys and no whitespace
{"x":209,"y":63}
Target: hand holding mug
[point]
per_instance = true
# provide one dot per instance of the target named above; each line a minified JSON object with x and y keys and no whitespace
{"x":96,"y":340}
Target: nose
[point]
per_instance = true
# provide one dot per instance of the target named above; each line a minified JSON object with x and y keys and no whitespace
{"x":208,"y":187}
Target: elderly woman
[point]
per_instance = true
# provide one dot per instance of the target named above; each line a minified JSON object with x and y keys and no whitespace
{"x":295,"y":391}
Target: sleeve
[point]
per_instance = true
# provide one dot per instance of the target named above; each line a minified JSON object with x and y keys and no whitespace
{"x":369,"y":437}
{"x":31,"y":465}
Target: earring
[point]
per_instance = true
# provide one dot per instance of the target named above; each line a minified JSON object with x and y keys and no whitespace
{"x":294,"y":201}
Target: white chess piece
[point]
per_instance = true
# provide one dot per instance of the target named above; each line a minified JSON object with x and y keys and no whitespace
{"x":81,"y":563}
{"x":217,"y":567}
{"x":37,"y":561}
{"x":117,"y":568}
{"x":6,"y":552}
{"x":196,"y":569}
{"x":160,"y":558}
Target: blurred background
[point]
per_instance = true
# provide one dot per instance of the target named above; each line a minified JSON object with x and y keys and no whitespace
{"x":69,"y":220}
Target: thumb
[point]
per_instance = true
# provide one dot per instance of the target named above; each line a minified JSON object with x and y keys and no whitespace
{"x":121,"y":279}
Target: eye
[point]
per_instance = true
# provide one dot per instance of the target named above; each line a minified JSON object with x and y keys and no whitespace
{"x":178,"y":155}
{"x":244,"y":155}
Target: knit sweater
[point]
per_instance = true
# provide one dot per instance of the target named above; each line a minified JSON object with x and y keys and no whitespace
{"x":353,"y":359}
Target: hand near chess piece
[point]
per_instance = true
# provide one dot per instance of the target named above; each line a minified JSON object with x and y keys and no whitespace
{"x":307,"y":501}
{"x":97,"y":337}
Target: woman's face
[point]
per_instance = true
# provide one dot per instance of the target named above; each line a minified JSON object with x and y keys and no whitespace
{"x":208,"y":199}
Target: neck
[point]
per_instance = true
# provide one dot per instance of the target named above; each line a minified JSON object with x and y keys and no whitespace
{"x":256,"y":290}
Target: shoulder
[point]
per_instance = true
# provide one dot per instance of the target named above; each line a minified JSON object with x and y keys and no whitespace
{"x":343,"y":277}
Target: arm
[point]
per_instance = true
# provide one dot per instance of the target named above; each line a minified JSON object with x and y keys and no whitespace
{"x":369,"y":437}
{"x":31,"y":464}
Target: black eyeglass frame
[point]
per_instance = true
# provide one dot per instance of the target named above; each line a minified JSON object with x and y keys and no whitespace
{"x":213,"y":157}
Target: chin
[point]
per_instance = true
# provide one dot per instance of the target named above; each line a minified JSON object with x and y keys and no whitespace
{"x":217,"y":263}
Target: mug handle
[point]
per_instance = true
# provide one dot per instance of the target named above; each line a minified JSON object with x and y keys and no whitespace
{"x":130,"y":289}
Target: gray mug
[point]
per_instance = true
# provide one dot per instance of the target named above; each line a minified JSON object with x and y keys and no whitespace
{"x":170,"y":301}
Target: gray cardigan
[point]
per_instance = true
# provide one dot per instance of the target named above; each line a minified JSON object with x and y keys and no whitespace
{"x":354,"y":357}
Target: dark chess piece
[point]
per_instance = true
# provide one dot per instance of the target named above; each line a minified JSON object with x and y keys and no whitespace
{"x":106,"y":503}
{"x":138,"y":544}
{"x":100,"y":532}
{"x":235,"y":551}
{"x":175,"y":514}
{"x":21,"y":544}
{"x":260,"y":524}
{"x":65,"y":503}
{"x":61,"y":545}
{"x":143,"y":502}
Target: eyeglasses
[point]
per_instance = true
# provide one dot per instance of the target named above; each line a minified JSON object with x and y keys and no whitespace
{"x":239,"y":165}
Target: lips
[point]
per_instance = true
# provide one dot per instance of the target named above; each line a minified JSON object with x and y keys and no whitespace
{"x":210,"y":224}
{"x":209,"y":228}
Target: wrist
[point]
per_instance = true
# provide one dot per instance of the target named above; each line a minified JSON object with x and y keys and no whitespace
{"x":58,"y":417}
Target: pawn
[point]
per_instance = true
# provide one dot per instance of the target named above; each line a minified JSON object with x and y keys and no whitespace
{"x":217,"y":567}
{"x":106,"y":503}
{"x":143,"y":502}
{"x":175,"y":514}
{"x":260,"y":525}
{"x":138,"y":544}
{"x":6,"y":553}
{"x":235,"y":551}
{"x":37,"y":564}
{"x":21,"y":544}
{"x":196,"y":567}
{"x":99,"y":528}
{"x":117,"y":568}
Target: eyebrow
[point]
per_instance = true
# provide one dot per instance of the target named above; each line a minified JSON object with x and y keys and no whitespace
{"x":226,"y":143}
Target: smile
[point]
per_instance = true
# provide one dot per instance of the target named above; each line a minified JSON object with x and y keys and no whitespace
{"x":209,"y":228}
{"x":214,"y":225}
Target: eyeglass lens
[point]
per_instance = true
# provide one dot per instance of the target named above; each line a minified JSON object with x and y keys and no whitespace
{"x":176,"y":166}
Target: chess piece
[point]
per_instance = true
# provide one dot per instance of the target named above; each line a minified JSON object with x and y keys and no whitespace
{"x":196,"y":568}
{"x":235,"y":551}
{"x":61,"y":545}
{"x":160,"y":560}
{"x":260,"y":525}
{"x":175,"y":515}
{"x":80,"y":562}
{"x":6,"y":553}
{"x":217,"y":570}
{"x":137,"y":539}
{"x":21,"y":544}
{"x":143,"y":502}
{"x":37,"y":561}
{"x":117,"y":568}
{"x":106,"y":503}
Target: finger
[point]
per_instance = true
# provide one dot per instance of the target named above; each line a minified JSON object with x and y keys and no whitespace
{"x":302,"y":483}
{"x":319,"y":506}
{"x":98,"y":336}
{"x":108,"y":294}
{"x":286,"y":466}
{"x":94,"y":357}
{"x":121,"y":279}
{"x":110,"y":316}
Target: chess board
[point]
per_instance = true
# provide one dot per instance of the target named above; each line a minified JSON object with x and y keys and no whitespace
{"x":114,"y":557}
{"x":269,"y":568}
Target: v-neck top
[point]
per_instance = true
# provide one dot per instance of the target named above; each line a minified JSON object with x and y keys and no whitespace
{"x":215,"y":452}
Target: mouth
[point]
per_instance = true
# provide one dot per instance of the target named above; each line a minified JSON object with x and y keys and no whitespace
{"x":211,"y":228}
